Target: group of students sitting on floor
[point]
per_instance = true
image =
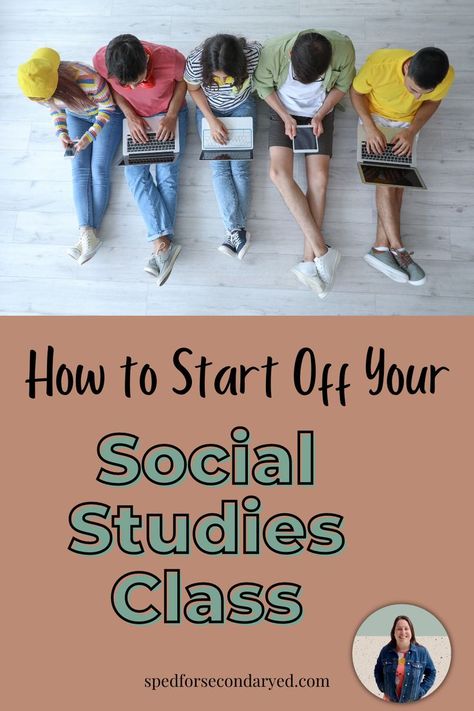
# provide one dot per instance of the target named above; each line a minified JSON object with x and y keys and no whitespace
{"x":301,"y":76}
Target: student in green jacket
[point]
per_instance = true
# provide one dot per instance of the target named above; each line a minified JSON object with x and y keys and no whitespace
{"x":302,"y":77}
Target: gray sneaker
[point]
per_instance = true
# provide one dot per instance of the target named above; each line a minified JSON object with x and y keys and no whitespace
{"x":161,"y":263}
{"x":236,"y":244}
{"x":416,"y":275}
{"x":386,"y":263}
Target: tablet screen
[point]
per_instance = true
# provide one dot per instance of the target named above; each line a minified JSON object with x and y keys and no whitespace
{"x":305,"y":140}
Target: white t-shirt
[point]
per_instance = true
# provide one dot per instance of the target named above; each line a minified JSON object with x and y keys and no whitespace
{"x":301,"y":99}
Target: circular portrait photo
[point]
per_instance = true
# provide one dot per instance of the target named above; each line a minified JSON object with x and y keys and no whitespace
{"x":401,"y":653}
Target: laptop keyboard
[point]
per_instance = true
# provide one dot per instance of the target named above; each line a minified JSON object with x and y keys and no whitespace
{"x":237,"y":138}
{"x":388,"y":156}
{"x":151,"y":146}
{"x":149,"y":159}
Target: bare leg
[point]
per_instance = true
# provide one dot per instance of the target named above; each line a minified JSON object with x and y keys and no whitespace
{"x":281,"y":175}
{"x":317,"y":174}
{"x":162,"y":243}
{"x":389,"y":204}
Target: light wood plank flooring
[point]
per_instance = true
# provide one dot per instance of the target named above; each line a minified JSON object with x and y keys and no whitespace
{"x":37,"y":218}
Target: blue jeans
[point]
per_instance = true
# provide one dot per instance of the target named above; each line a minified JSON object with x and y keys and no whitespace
{"x":91,"y":167}
{"x":231,"y":179}
{"x":157,"y":201}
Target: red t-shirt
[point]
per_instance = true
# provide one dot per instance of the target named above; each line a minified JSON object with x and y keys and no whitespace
{"x":165,"y":69}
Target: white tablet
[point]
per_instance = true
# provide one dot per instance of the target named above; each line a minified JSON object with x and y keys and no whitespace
{"x":305,"y":141}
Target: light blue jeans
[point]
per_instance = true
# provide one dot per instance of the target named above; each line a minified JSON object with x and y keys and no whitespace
{"x":231,"y":178}
{"x":157,"y":200}
{"x":91,"y":167}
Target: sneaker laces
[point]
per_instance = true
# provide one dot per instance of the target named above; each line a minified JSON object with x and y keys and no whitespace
{"x":235,"y":238}
{"x":403,"y":257}
{"x":321,"y":270}
{"x":87,"y":237}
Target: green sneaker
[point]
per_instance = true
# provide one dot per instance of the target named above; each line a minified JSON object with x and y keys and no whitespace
{"x":416,"y":275}
{"x":385,"y":262}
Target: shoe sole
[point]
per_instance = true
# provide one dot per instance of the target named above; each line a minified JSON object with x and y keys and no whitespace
{"x":74,"y":254}
{"x":328,"y":288}
{"x":392,"y":274}
{"x":418,"y":282}
{"x":85,"y":257}
{"x":164,"y":276}
{"x":307,"y":280}
{"x":152,"y":272}
{"x":226,"y":250}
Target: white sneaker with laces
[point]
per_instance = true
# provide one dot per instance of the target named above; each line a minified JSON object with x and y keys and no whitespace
{"x":326,"y":267}
{"x":89,"y":244}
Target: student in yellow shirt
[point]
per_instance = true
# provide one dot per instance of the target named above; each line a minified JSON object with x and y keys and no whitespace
{"x":396,"y":87}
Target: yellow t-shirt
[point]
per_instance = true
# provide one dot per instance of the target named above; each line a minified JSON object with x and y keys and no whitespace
{"x":381,"y":78}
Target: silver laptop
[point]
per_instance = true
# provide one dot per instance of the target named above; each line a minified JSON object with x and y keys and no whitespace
{"x":387,"y":168}
{"x":151,"y":152}
{"x":239,"y":145}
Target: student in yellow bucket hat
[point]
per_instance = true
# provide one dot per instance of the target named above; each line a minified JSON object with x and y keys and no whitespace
{"x":85,"y":117}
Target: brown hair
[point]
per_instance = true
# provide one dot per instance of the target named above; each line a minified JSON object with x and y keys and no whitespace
{"x":410,"y":625}
{"x":69,"y":92}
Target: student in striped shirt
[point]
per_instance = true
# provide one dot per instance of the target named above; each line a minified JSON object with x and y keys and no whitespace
{"x":84,"y":116}
{"x":219,"y":78}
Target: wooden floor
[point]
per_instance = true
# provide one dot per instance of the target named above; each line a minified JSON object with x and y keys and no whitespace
{"x":37,"y":217}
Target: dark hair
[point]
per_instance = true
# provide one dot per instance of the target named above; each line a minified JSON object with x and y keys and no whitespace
{"x":310,"y":56}
{"x":125,"y":58}
{"x":224,"y":53}
{"x":69,"y":92}
{"x":410,"y":624}
{"x":428,"y":67}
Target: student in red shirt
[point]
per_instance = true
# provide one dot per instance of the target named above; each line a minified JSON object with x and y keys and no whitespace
{"x":147,"y":80}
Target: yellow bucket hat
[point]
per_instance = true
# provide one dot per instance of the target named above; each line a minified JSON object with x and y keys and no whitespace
{"x":38,"y":77}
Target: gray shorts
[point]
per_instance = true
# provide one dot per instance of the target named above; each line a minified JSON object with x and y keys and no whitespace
{"x":277,"y":136}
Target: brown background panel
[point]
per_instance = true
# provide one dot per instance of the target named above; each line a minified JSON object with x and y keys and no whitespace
{"x":397,"y":468}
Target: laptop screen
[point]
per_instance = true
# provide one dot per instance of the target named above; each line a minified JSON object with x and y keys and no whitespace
{"x":403,"y":176}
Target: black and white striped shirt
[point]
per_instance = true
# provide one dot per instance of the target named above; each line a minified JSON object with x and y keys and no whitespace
{"x":224,"y":97}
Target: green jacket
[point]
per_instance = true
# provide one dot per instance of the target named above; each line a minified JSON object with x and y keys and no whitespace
{"x":272,"y":69}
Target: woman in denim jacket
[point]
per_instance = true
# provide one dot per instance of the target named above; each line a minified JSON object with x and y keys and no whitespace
{"x":404,"y":670}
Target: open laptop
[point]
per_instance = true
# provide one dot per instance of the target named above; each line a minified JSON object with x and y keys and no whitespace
{"x":151,"y":152}
{"x":240,"y":140}
{"x":387,"y":168}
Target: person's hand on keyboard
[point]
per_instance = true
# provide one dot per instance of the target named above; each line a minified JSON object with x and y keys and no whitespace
{"x":166,"y":128}
{"x":219,"y":132}
{"x":376,"y":141}
{"x":403,"y":142}
{"x":138,"y":127}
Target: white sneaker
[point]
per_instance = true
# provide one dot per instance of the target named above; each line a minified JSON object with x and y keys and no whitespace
{"x":307,"y":276}
{"x":326,"y":267}
{"x":89,"y":244}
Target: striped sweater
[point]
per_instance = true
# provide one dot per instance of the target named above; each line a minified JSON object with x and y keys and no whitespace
{"x":97,"y":91}
{"x":224,"y":97}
